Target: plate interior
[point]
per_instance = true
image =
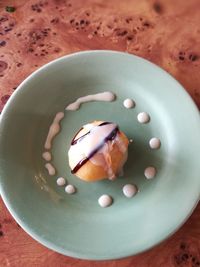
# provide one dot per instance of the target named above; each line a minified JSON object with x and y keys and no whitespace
{"x":75,"y":224}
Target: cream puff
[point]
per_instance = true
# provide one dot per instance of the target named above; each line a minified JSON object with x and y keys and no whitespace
{"x":98,"y":151}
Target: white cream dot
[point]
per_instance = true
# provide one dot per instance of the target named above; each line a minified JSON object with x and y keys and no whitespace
{"x":50,"y":168}
{"x":130,"y":190}
{"x":70,"y":189}
{"x":154,"y":143}
{"x":61,"y":181}
{"x":105,"y":201}
{"x":129,"y":103}
{"x":143,"y":117}
{"x":46,"y":155}
{"x":150,"y":172}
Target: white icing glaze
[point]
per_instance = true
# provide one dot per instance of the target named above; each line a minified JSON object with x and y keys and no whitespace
{"x":54,"y":129}
{"x":70,"y":189}
{"x":105,"y":96}
{"x":50,"y":168}
{"x":143,"y":117}
{"x":46,"y":156}
{"x":95,"y":138}
{"x":104,"y":159}
{"x":105,"y":201}
{"x":129,"y":103}
{"x":154,"y":143}
{"x":130,"y":190}
{"x":61,"y":181}
{"x":120,"y":144}
{"x":121,"y":170}
{"x":88,"y":126}
{"x":150,"y":172}
{"x":91,"y":141}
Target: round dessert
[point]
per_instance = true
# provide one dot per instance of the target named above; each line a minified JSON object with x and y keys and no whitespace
{"x":98,"y":151}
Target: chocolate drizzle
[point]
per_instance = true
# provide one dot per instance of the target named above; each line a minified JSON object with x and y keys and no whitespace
{"x":110,"y":137}
{"x":75,"y":141}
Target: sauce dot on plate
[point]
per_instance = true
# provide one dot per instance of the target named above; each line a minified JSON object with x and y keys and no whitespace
{"x":46,"y":155}
{"x":150,"y":172}
{"x":70,"y":189}
{"x":61,"y":181}
{"x":105,"y":201}
{"x":130,"y":190}
{"x":50,"y":168}
{"x":129,"y":103}
{"x":154,"y":143}
{"x":143,"y":117}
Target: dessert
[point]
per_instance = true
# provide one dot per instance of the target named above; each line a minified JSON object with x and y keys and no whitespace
{"x":98,"y":151}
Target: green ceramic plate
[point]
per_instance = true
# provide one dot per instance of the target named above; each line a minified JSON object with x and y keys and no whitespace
{"x":76,"y":225}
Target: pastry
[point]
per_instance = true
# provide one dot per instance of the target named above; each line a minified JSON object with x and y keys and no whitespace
{"x":98,"y":151}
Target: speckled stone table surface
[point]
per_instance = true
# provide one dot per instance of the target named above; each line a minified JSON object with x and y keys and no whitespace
{"x":36,"y":32}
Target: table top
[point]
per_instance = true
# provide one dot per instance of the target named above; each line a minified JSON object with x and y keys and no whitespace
{"x":36,"y":32}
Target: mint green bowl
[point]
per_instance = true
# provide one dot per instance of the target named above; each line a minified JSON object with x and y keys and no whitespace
{"x":76,"y":225}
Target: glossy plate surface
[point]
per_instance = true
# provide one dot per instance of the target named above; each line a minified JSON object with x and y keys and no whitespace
{"x":76,"y":225}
